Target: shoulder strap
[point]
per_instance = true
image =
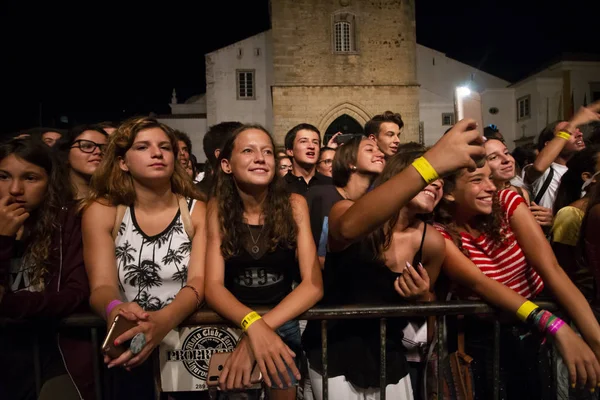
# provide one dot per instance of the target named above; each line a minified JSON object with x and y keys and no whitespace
{"x":419,"y":256}
{"x":186,"y":218}
{"x":540,"y":194}
{"x":121,"y":208}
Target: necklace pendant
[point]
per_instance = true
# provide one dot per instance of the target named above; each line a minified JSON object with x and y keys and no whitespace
{"x":255,"y":249}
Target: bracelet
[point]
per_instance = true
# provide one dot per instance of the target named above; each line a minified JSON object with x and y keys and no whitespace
{"x":249,"y":319}
{"x":425,"y":169}
{"x":112,"y":305}
{"x":556,"y":325}
{"x":525,"y":310}
{"x":198,"y":298}
{"x":563,"y":135}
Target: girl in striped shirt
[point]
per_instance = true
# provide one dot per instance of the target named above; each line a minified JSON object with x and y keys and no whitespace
{"x":492,"y":234}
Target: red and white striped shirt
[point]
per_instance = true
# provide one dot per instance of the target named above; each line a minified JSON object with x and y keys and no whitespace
{"x":506,"y":262}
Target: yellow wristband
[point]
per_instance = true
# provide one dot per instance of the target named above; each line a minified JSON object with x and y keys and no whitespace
{"x":564,"y":135}
{"x":425,"y":169}
{"x":249,"y":319}
{"x":526,"y":309}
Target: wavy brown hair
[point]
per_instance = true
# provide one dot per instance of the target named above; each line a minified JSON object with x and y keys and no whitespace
{"x":110,"y":183}
{"x":43,"y":221}
{"x":279,"y":224}
{"x":381,"y":238}
{"x":494,"y":225}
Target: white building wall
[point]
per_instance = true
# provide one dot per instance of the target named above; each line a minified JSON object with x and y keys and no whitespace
{"x":439,"y":76}
{"x":221,"y":82}
{"x":504,"y":101}
{"x":582,"y":75}
{"x":195,"y":128}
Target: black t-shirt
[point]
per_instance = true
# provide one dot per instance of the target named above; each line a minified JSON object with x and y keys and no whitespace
{"x":297,"y":184}
{"x":354,"y":276}
{"x":258,"y":276}
{"x":320,"y":199}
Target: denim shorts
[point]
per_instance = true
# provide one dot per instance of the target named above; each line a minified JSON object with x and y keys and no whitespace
{"x":290,"y":334}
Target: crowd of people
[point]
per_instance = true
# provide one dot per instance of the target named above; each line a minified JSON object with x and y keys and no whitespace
{"x":122,"y":221}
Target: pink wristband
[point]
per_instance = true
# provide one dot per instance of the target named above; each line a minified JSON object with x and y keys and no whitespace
{"x":555,"y":326}
{"x":112,"y":305}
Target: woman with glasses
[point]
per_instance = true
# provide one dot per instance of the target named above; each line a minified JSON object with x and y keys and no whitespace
{"x":82,"y":149}
{"x":325,"y":162}
{"x":284,"y":165}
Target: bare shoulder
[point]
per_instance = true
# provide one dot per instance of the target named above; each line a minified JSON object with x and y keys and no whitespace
{"x":100,"y":214}
{"x":340,"y":207}
{"x":297,"y":200}
{"x":434,"y":241}
{"x":199,"y":211}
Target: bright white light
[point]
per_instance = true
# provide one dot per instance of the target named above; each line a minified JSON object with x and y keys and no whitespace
{"x":463,"y":91}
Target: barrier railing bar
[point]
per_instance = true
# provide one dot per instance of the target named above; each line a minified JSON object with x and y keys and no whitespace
{"x":382,"y":359}
{"x":206,"y":316}
{"x":496,"y":366}
{"x":382,"y":312}
{"x":440,"y":356}
{"x":37,"y":368}
{"x":96,"y":364}
{"x":324,"y":359}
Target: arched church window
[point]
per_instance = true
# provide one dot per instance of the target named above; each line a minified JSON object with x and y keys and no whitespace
{"x":344,"y":33}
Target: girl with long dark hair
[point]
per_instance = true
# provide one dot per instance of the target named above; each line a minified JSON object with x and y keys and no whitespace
{"x":495,"y":250}
{"x":259,"y":242}
{"x":381,"y":252}
{"x":42,"y":275}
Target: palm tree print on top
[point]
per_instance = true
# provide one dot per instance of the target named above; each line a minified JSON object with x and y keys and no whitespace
{"x":152,"y":269}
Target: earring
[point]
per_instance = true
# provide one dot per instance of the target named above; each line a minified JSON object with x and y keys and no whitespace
{"x":353,"y":168}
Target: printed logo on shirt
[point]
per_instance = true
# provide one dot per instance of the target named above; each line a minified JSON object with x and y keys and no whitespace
{"x":199,"y":346}
{"x":258,"y":277}
{"x":20,"y":277}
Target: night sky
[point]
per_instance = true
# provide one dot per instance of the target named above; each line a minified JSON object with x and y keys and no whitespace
{"x":95,"y":61}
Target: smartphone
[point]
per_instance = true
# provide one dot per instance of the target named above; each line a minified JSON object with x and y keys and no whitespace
{"x":217,"y":362}
{"x":467,"y":104}
{"x":119,"y":326}
{"x":345,"y":137}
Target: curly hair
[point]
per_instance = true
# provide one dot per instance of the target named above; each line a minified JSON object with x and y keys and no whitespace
{"x":42,"y":223}
{"x":381,"y":238}
{"x":114,"y":185}
{"x":494,"y":225}
{"x":279,"y":224}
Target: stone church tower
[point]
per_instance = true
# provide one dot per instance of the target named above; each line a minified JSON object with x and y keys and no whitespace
{"x":339,"y":62}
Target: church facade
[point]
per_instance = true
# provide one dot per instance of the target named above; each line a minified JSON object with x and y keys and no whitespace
{"x":337,"y":63}
{"x":333,"y":64}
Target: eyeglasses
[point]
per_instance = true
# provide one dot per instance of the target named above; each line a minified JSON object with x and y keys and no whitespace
{"x":288,"y":167}
{"x":327,"y":161}
{"x":87,"y":146}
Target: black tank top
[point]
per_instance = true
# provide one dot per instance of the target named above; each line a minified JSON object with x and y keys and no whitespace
{"x":257,"y":276}
{"x":355,"y":276}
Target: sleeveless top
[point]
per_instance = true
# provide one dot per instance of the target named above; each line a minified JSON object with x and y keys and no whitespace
{"x":355,"y":276}
{"x":258,"y":276}
{"x":152,"y":269}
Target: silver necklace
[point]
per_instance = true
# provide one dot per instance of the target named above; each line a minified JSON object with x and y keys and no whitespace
{"x":255,"y":249}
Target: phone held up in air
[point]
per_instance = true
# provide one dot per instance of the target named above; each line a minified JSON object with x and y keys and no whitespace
{"x":216,"y":365}
{"x":119,"y":326}
{"x":467,"y":104}
{"x":345,"y":137}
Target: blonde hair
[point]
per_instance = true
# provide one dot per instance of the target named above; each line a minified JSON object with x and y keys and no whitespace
{"x":110,"y":183}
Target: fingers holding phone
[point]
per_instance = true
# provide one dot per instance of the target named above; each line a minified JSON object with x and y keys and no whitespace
{"x":461,"y":147}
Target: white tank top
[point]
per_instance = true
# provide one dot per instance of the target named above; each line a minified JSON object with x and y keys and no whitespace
{"x":152,"y":269}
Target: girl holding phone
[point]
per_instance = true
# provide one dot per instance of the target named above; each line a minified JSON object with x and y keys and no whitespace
{"x":259,"y":242}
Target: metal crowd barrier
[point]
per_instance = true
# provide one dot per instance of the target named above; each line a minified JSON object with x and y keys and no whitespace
{"x":381,"y":312}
